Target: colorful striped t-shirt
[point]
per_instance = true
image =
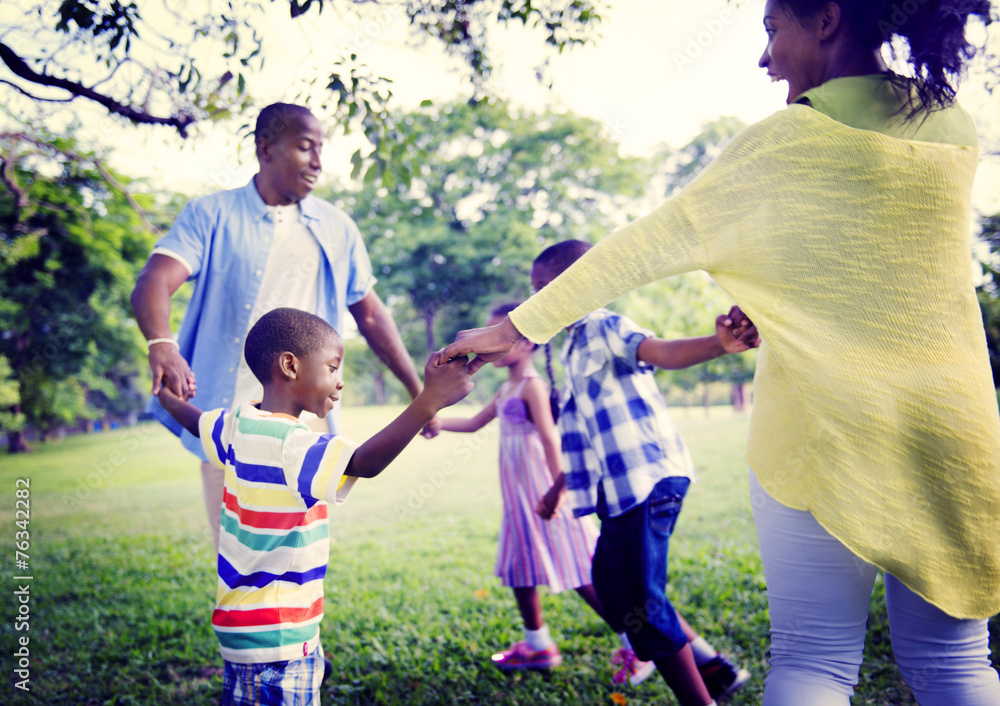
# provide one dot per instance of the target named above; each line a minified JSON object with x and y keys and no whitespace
{"x":274,"y":542}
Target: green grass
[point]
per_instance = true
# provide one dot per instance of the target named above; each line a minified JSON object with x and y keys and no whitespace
{"x":123,"y":584}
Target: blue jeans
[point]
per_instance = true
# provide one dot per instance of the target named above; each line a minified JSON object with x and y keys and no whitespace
{"x":818,"y":592}
{"x":289,"y":683}
{"x":630,"y":570}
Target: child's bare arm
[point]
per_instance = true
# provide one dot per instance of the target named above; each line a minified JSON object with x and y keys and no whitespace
{"x":536,"y":397}
{"x":444,"y":385}
{"x":549,"y":503}
{"x":541,"y":415}
{"x":685,"y":352}
{"x":482,"y":418}
{"x":186,"y":414}
{"x":680,"y":352}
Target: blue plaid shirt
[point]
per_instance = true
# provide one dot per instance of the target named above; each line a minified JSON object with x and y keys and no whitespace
{"x":616,"y":431}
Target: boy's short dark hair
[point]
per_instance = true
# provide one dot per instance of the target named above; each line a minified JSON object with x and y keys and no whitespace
{"x":504,"y":309}
{"x":557,"y":258}
{"x":281,"y":330}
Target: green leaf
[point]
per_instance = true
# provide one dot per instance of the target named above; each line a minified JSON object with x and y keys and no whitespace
{"x":356,"y":161}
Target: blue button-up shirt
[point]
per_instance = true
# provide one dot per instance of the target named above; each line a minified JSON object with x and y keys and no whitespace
{"x":616,"y":432}
{"x":225,"y":238}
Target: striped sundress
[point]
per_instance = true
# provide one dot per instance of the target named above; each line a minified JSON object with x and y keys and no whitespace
{"x":533,"y":551}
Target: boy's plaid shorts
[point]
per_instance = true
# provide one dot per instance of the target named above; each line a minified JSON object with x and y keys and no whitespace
{"x":292,"y":683}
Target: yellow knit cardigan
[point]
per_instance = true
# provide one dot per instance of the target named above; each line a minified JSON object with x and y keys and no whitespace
{"x":874,"y":404}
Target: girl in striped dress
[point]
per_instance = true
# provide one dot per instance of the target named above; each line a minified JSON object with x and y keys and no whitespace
{"x":533,"y":551}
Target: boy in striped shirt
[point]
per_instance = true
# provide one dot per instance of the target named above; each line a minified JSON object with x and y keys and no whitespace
{"x":280,"y":475}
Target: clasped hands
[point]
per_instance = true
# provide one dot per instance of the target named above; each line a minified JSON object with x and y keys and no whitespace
{"x":736,"y":332}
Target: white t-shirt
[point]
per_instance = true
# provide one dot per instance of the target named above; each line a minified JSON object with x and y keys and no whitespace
{"x":290,"y":279}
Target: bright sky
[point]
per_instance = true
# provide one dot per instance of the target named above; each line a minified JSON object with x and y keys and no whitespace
{"x":660,"y":70}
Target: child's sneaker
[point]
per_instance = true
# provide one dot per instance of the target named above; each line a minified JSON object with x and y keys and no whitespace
{"x":520,"y":656}
{"x":722,"y":678}
{"x":632,"y":668}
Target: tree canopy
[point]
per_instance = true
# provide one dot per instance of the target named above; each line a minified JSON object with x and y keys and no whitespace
{"x":678,"y":167}
{"x":163,"y":64}
{"x":71,"y":244}
{"x":491,"y":190}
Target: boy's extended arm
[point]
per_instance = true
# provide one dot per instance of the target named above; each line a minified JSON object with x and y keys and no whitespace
{"x":374,"y":455}
{"x":186,"y":414}
{"x":444,"y":385}
{"x":734,"y":333}
{"x":679,"y":353}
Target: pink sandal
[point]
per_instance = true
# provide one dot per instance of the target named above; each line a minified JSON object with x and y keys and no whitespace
{"x":633,"y":669}
{"x":520,"y":656}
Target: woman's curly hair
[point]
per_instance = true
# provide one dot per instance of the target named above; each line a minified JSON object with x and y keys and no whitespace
{"x":934,"y":32}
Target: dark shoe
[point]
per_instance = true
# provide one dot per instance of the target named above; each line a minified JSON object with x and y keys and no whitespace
{"x":722,"y":678}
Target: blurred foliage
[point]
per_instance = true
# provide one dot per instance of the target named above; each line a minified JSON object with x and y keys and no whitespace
{"x":678,"y":167}
{"x":71,"y":244}
{"x":10,"y":399}
{"x":989,"y":293}
{"x":176,"y":65}
{"x":492,"y":190}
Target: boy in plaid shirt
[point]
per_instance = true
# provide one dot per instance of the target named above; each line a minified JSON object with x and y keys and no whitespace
{"x":625,"y":461}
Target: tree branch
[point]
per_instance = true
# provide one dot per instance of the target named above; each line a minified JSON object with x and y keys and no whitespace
{"x":20,"y":68}
{"x":128,"y":197}
{"x":112,"y":182}
{"x":20,"y":195}
{"x":34,"y":97}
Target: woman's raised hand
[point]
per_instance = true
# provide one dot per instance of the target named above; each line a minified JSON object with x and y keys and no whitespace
{"x":488,"y":344}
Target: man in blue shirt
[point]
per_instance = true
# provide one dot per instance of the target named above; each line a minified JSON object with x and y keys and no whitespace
{"x":268,"y":244}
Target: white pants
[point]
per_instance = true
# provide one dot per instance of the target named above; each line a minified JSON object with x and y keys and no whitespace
{"x":818,"y":593}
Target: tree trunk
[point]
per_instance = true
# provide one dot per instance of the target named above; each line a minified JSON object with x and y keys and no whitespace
{"x":739,"y":401}
{"x":429,"y":327}
{"x":379,"y":387}
{"x":16,"y":441}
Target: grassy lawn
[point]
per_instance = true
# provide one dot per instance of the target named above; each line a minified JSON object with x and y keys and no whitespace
{"x":123,"y":579}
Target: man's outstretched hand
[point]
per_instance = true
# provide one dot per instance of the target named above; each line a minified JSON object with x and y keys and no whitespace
{"x":169,"y":369}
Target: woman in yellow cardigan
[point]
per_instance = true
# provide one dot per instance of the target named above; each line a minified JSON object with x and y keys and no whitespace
{"x":840,"y":225}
